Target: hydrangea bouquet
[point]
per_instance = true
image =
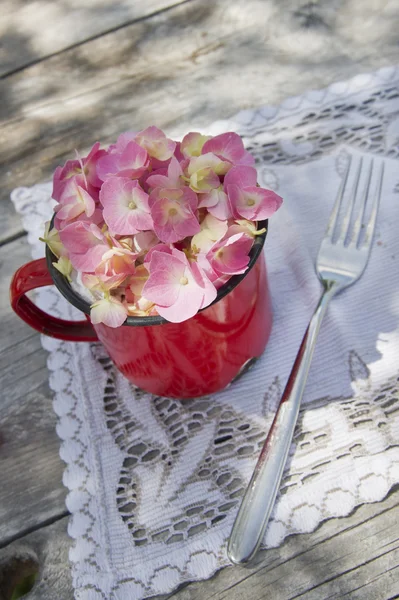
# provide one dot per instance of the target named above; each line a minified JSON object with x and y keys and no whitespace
{"x":150,"y":226}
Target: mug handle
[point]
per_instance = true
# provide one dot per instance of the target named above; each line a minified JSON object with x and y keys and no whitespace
{"x":34,"y":275}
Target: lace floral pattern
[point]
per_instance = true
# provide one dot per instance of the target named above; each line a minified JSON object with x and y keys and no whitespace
{"x":155,"y":483}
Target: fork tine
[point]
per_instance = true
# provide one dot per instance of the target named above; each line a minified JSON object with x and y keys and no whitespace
{"x":374,"y":211}
{"x":335,"y":211}
{"x":348,"y":215}
{"x":354,"y":240}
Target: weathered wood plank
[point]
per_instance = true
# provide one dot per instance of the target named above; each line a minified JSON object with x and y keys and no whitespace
{"x":184,"y":68}
{"x":327,"y":564}
{"x":180,"y":69}
{"x":31,"y":490}
{"x":46,"y":551}
{"x":30,"y":31}
{"x":353,"y":557}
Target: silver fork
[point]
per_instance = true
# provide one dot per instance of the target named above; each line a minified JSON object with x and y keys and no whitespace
{"x":341,"y":260}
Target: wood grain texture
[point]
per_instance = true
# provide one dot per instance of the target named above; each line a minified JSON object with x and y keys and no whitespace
{"x":181,"y":69}
{"x":355,"y":558}
{"x":46,"y":551}
{"x":32,"y":31}
{"x":31,"y":490}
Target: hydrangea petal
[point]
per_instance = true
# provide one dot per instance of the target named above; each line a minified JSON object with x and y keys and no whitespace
{"x":228,"y":146}
{"x":126,"y":210}
{"x":85,"y":243}
{"x":188,"y":303}
{"x":79,"y":201}
{"x":256,"y":204}
{"x":88,"y":261}
{"x":195,"y":293}
{"x":101,"y":283}
{"x":51,"y":237}
{"x":64,"y":266}
{"x":90,"y":165}
{"x":123,"y":140}
{"x":208,"y":160}
{"x":117,"y":261}
{"x":172,"y":179}
{"x":192,"y":144}
{"x":204,"y":171}
{"x":177,"y":288}
{"x":172,"y":214}
{"x":156,"y":143}
{"x":241,"y":176}
{"x":79,"y":171}
{"x":109,"y":311}
{"x":212,"y":230}
{"x":205,"y":283}
{"x":80,"y":236}
{"x":166,"y":271}
{"x":132,"y":162}
{"x":230,"y":256}
{"x":218,"y":204}
{"x":144,"y":241}
{"x":158,"y":248}
{"x":62,"y":175}
{"x":137,"y":281}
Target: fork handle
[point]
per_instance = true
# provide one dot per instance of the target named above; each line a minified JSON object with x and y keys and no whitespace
{"x":257,"y":504}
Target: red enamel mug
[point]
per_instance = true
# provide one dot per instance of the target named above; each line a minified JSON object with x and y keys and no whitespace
{"x":182,"y":360}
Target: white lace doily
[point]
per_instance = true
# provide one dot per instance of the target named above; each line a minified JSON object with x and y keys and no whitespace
{"x":154,"y":484}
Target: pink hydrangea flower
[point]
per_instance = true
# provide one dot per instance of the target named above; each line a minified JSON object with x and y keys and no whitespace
{"x":178,"y":288}
{"x":178,"y":153}
{"x":106,"y":309}
{"x":153,"y":226}
{"x":254,"y":203}
{"x":192,"y":144}
{"x":122,"y":141}
{"x":244,"y":226}
{"x":158,"y":248}
{"x":126,"y":210}
{"x":246,"y":199}
{"x":81,"y":169}
{"x":139,"y":306}
{"x":74,"y":201}
{"x":64,"y":266}
{"x":51,"y":237}
{"x":130,"y":162}
{"x":172,"y":179}
{"x":217,"y":202}
{"x":96,"y":218}
{"x":172,"y":214}
{"x":230,"y":256}
{"x":156,"y":143}
{"x":62,"y":175}
{"x":144,"y":241}
{"x":86,"y":245}
{"x":117,"y":261}
{"x":212,"y":230}
{"x":229,"y":146}
{"x":137,"y":281}
{"x":203,"y":172}
{"x":241,"y":176}
{"x":101,"y":283}
{"x":109,"y":310}
{"x":89,"y":165}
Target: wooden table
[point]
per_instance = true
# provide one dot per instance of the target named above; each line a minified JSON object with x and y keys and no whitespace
{"x":75,"y":74}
